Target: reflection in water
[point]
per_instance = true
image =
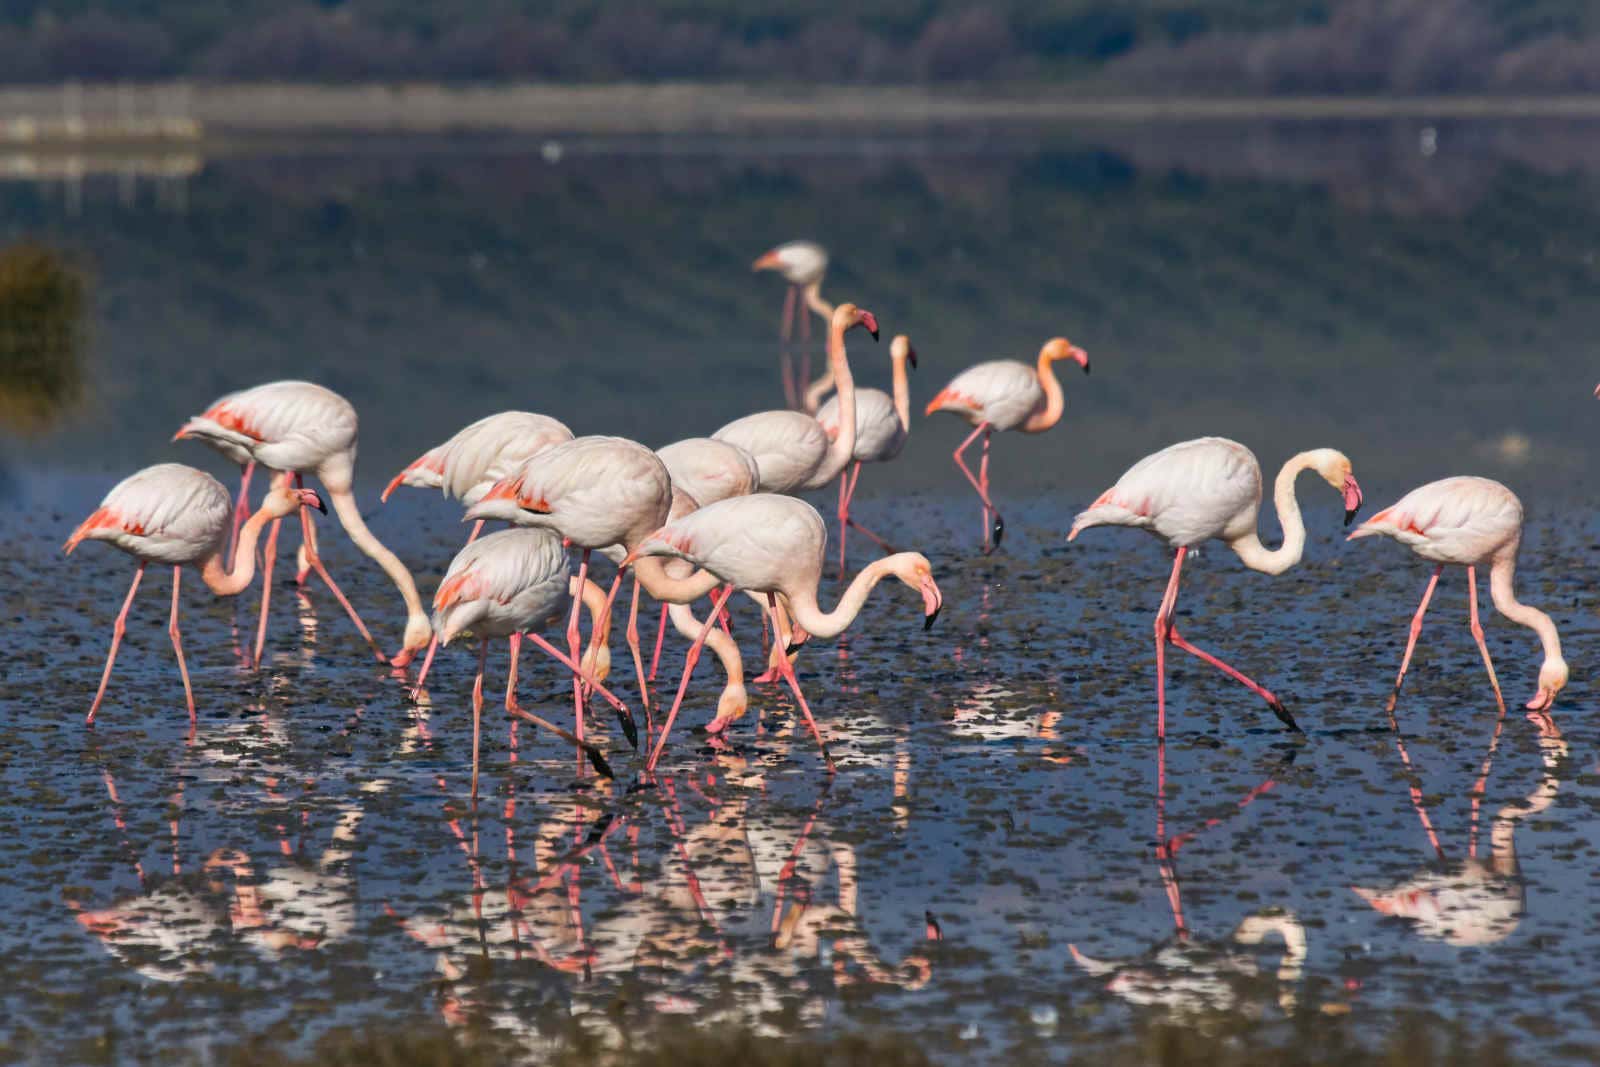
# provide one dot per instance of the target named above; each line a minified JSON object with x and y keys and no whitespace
{"x":42,"y":326}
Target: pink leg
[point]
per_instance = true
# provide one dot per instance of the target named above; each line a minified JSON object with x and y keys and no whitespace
{"x":1477,"y":633}
{"x":595,"y":758}
{"x":804,"y":314}
{"x":794,"y":684}
{"x":854,"y":525}
{"x":1416,"y":629}
{"x":638,"y":657}
{"x":791,"y":394}
{"x":844,"y":513}
{"x":177,"y":642}
{"x":1169,"y":600}
{"x":625,"y":717}
{"x":784,"y":326}
{"x":661,"y":633}
{"x":1259,"y":690}
{"x":982,"y":487}
{"x":477,"y":712}
{"x":690,"y":660}
{"x":271,"y":554}
{"x":118,"y":628}
{"x":573,"y":641}
{"x":567,"y":662}
{"x":241,"y":508}
{"x":315,"y":562}
{"x":983,"y":480}
{"x":433,"y":645}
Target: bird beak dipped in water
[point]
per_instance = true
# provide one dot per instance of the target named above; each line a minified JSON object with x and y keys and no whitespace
{"x":1352,"y":499}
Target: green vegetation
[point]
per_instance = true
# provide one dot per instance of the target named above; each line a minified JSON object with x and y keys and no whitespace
{"x":41,"y":336}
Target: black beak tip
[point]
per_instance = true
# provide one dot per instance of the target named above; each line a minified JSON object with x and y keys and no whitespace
{"x":911,"y":358}
{"x":928,"y":621}
{"x":1086,"y":366}
{"x":1349,"y":517}
{"x":999,"y":530}
{"x":601,"y":767}
{"x":791,"y":648}
{"x":874,"y":334}
{"x":630,"y":730}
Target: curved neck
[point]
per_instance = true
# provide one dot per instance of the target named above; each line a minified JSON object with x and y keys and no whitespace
{"x":594,"y":602}
{"x":817,"y":390}
{"x":1506,"y":602}
{"x":652,"y":574}
{"x":814,"y":301}
{"x":224,"y":582}
{"x":1249,"y":548}
{"x":1553,"y":751}
{"x":721,"y":645}
{"x":1054,"y":401}
{"x":808,"y":614}
{"x":843,"y":447}
{"x":344,"y":504}
{"x":902,"y":395}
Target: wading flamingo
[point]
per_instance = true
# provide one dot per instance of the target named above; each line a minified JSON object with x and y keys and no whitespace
{"x":1207,"y":489}
{"x":506,"y":585}
{"x":882,"y":423}
{"x":467,"y":465}
{"x":1005,"y":394}
{"x":774,"y":544}
{"x":300,"y":428}
{"x":1470,"y":522}
{"x":802,"y":264}
{"x":792,"y":450}
{"x":175,"y":515}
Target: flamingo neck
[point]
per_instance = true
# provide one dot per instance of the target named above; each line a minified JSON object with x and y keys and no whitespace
{"x":1249,"y":548}
{"x":808,"y":614}
{"x":843,"y":447}
{"x":1552,"y":750}
{"x":1054,"y":400}
{"x":902,"y":395}
{"x":344,"y":505}
{"x":813,"y":297}
{"x":652,"y":574}
{"x":1506,"y":602}
{"x":224,"y":582}
{"x":734,"y":699}
{"x":594,"y":602}
{"x":817,"y":391}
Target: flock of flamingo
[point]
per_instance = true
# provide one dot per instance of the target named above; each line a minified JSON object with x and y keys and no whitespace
{"x":709,"y":516}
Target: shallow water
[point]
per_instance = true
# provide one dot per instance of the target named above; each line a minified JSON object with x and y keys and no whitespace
{"x":309,"y":858}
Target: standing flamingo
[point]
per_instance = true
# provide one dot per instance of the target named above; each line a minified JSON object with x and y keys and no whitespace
{"x":766,"y":543}
{"x":505,"y":585}
{"x":176,"y":515}
{"x":1005,"y":394}
{"x":467,"y":465}
{"x":1211,"y":488}
{"x":1470,"y":522}
{"x":792,"y":450}
{"x":802,"y":264}
{"x":301,"y":428}
{"x":882,"y":424}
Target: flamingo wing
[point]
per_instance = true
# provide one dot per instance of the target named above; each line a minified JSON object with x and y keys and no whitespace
{"x":494,"y":447}
{"x":788,"y":446}
{"x":1454,"y":520}
{"x":1003,"y":392}
{"x":288,"y":425}
{"x":879,"y":435}
{"x":491,"y":579}
{"x":1186,"y":493}
{"x":759,"y":543}
{"x":168,"y":513}
{"x":710,"y":470}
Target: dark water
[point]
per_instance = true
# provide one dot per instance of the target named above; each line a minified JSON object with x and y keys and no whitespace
{"x":310,"y":860}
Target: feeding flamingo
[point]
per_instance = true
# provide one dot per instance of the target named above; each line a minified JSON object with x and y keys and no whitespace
{"x":301,"y":428}
{"x":1005,"y":394}
{"x":506,"y":585}
{"x":882,"y":424}
{"x":792,"y":450}
{"x":175,"y":515}
{"x":802,"y":264}
{"x":1207,"y":489}
{"x":772,"y":544}
{"x":1470,"y":522}
{"x":467,"y":465}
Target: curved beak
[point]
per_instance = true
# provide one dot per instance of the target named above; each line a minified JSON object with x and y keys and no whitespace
{"x":1081,"y":358}
{"x":767,"y":261}
{"x":1352,"y":499}
{"x":870,"y":321}
{"x":932,"y":602}
{"x":911,"y":357}
{"x":309,"y":499}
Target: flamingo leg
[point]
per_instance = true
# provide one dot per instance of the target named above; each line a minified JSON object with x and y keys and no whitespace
{"x":177,"y":643}
{"x":785,"y":325}
{"x":1416,"y":629}
{"x":1169,"y":600}
{"x":241,"y":509}
{"x":624,"y":716}
{"x":118,"y":628}
{"x":513,"y":709}
{"x":661,"y":635}
{"x":308,"y":544}
{"x":690,"y":660}
{"x":314,"y":562}
{"x":271,"y":554}
{"x":844,"y":513}
{"x":983,"y":480}
{"x":477,"y":711}
{"x":791,"y":392}
{"x":587,"y":679}
{"x":982,"y":487}
{"x":1237,"y":675}
{"x":638,"y":657}
{"x":1417,"y":802}
{"x":1477,"y":633}
{"x":853,"y":524}
{"x":433,"y":643}
{"x":572,"y":644}
{"x":787,"y":670}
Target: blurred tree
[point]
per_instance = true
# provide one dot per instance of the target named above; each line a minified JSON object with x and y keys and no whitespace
{"x":42,"y":313}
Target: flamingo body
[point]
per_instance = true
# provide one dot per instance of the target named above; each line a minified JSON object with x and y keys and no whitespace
{"x":507,"y":582}
{"x":287,"y":426}
{"x":710,"y":470}
{"x":799,"y":262}
{"x":465,"y":466}
{"x":595,"y":491}
{"x":879,"y":435}
{"x":169,"y":513}
{"x":788,"y":448}
{"x":763,"y":543}
{"x":1003,"y":393}
{"x":1465,"y":521}
{"x":1184,"y":494}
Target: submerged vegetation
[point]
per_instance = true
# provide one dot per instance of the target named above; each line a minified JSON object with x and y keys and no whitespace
{"x":42,"y":308}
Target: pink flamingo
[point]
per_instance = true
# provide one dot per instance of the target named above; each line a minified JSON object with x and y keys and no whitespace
{"x":771,"y":544}
{"x":301,"y":428}
{"x":802,"y":264}
{"x":1005,"y":394}
{"x":175,"y":515}
{"x":467,"y":466}
{"x":505,"y":585}
{"x":882,"y":424}
{"x":792,"y":450}
{"x":1470,"y":522}
{"x":1208,"y":489}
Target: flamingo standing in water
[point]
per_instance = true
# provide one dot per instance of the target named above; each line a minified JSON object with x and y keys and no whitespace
{"x":467,"y":465}
{"x":882,"y":424}
{"x":1207,"y":489}
{"x":771,"y":544}
{"x":1470,"y":522}
{"x":301,"y":428}
{"x":505,"y":585}
{"x":1005,"y":394}
{"x":175,"y":515}
{"x":802,"y":264}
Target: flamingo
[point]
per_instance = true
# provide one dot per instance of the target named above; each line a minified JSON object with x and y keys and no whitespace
{"x":505,"y":585}
{"x":802,"y":264}
{"x":772,"y":544}
{"x":1206,"y":489}
{"x":175,"y":515}
{"x":1470,"y":522}
{"x":1005,"y":394}
{"x":792,"y":450}
{"x":882,"y":424}
{"x":301,"y":428}
{"x":467,"y":465}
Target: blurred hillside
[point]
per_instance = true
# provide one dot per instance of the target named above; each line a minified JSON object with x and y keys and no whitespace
{"x":1244,"y":46}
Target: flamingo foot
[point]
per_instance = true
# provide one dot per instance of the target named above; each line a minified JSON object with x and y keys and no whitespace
{"x":1282,"y":713}
{"x":768,"y":676}
{"x":999,"y":532}
{"x":403,"y":658}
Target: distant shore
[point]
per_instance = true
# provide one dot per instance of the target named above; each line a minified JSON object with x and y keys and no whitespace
{"x":189,"y":111}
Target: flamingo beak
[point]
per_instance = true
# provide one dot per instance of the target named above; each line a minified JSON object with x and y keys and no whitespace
{"x":1081,"y":358}
{"x":932,"y":602}
{"x":309,"y":499}
{"x":767,"y":261}
{"x":870,"y":321}
{"x":1352,"y":499}
{"x":911,"y":357}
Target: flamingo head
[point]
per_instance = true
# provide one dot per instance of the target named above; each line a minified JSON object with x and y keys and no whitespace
{"x":772,"y":259}
{"x":731,"y":705}
{"x":914,"y":570}
{"x":1061,"y":348}
{"x":847,"y":317}
{"x":900,"y":349}
{"x":596,"y":660}
{"x":1334,"y":468}
{"x":1552,"y":679}
{"x":284,"y":500}
{"x":418,"y":635}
